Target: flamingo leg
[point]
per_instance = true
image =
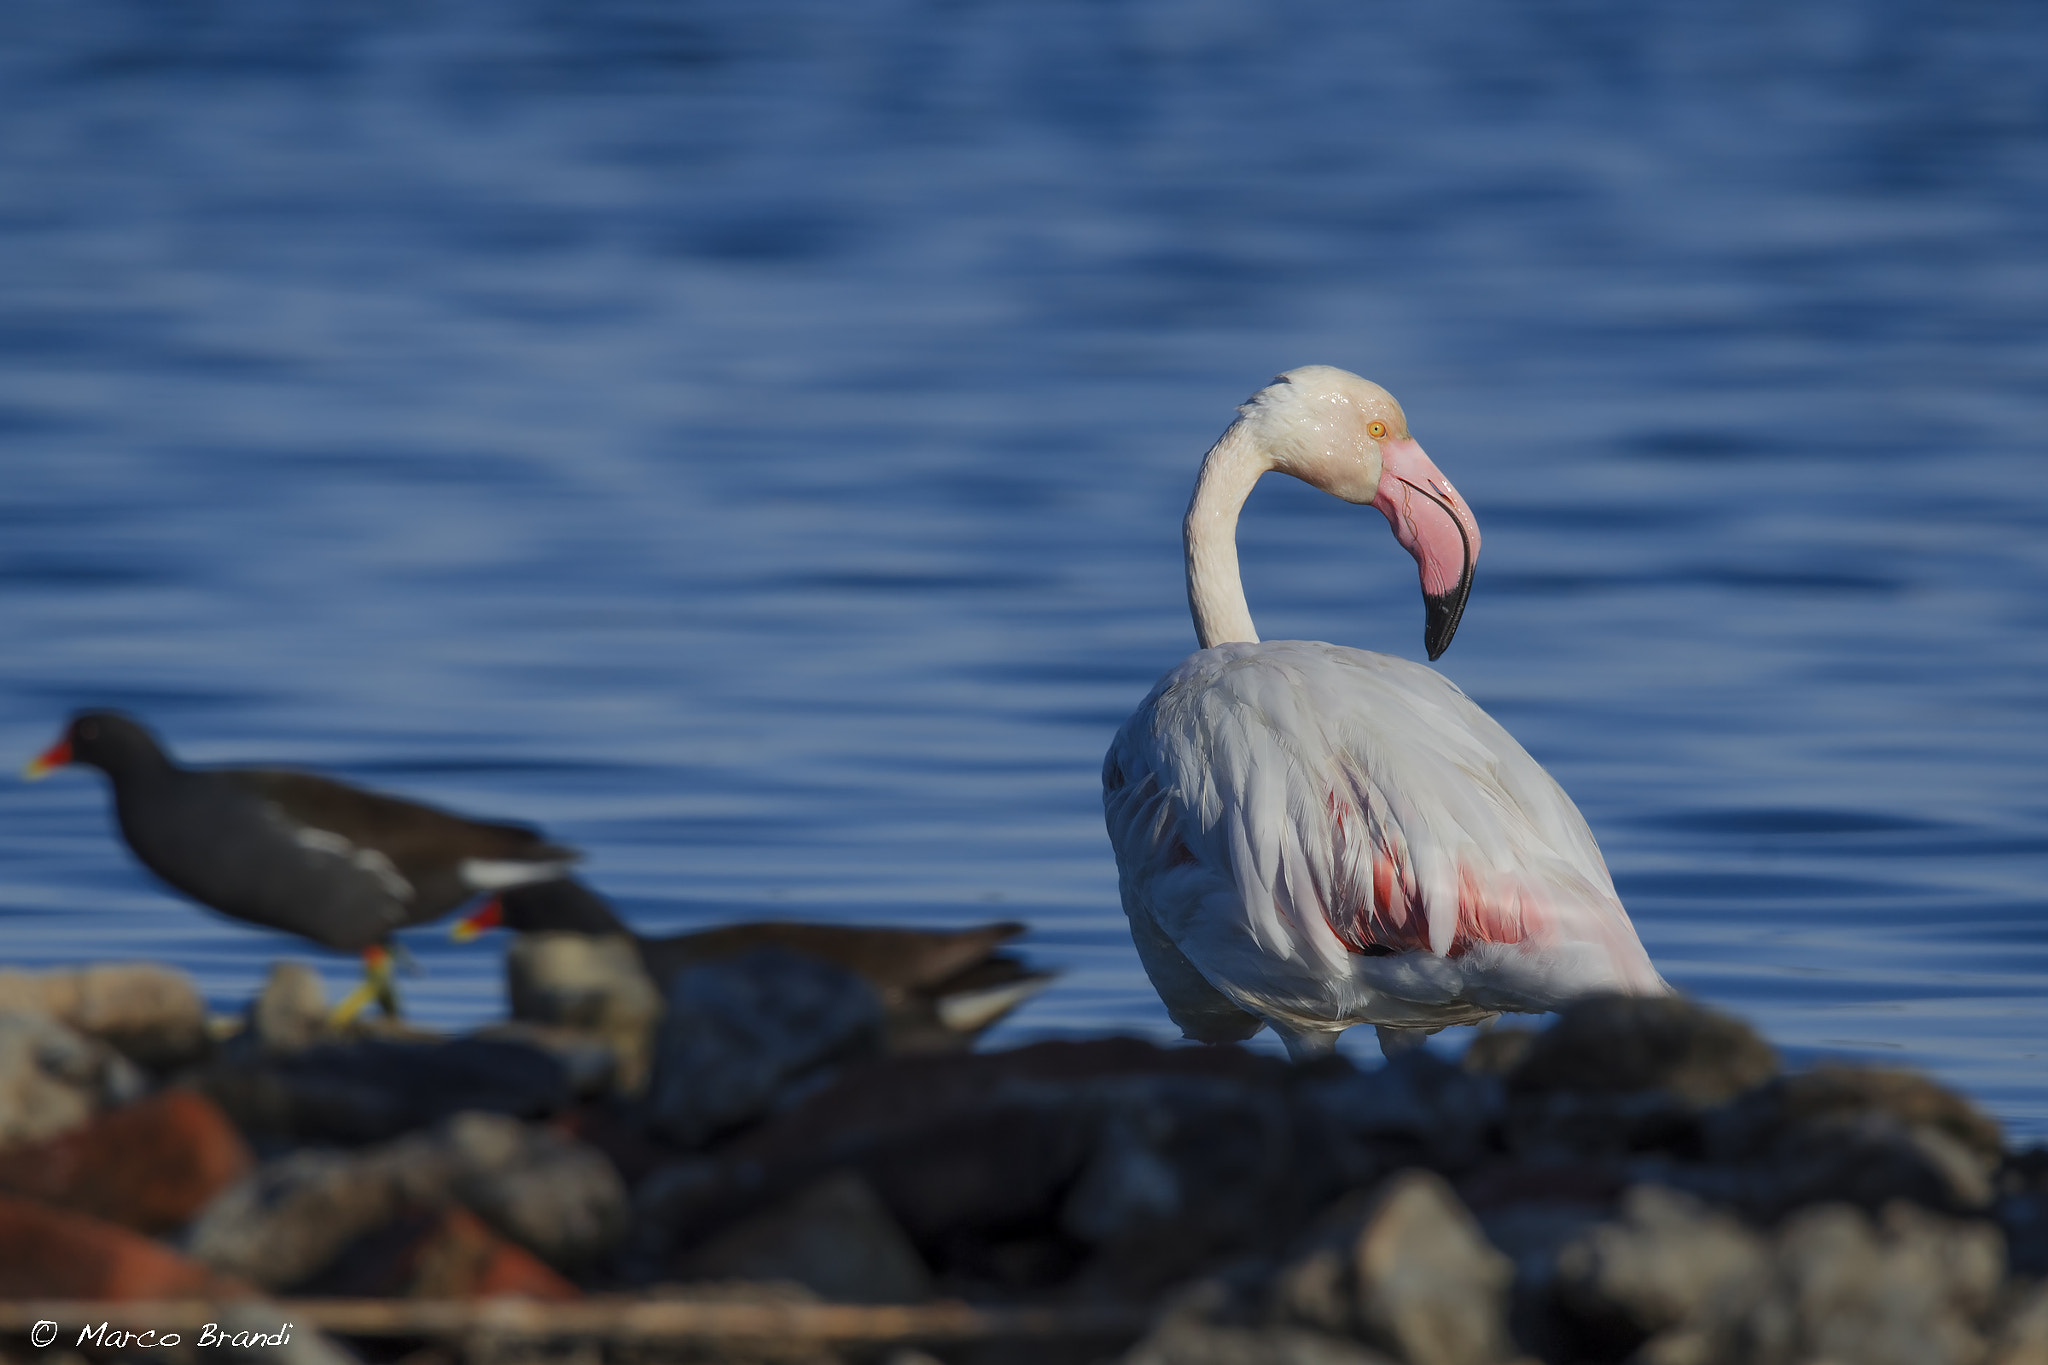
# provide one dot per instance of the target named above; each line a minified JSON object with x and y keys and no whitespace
{"x":376,"y":985}
{"x":1308,"y":1044}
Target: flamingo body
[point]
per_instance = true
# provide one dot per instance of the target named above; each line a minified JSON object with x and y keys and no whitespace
{"x":1311,"y":837}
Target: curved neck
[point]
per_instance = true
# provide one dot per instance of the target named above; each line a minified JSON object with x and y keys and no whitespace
{"x":1209,"y":538}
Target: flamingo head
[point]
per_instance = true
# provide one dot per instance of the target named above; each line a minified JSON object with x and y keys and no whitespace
{"x":1348,"y":437}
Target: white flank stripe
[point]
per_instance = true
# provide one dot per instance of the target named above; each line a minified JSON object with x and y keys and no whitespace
{"x":495,"y":874}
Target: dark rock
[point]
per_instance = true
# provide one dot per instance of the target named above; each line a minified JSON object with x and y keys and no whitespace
{"x":740,"y":1032}
{"x":150,"y":1165}
{"x":438,"y":1253}
{"x":833,"y":1237}
{"x":373,"y":1089}
{"x":1608,"y":1044}
{"x":53,"y":1077}
{"x":2022,"y":1337}
{"x":149,"y":1013}
{"x":1498,"y":1051}
{"x":290,"y":1012}
{"x":595,"y":983}
{"x":1867,"y":1160}
{"x":1838,"y":1288}
{"x":2023,"y":1210}
{"x":48,"y":1253}
{"x":290,"y":1220}
{"x":589,"y":1060}
{"x":1658,"y":1265}
{"x":1195,"y":1330}
{"x":1416,"y":1110}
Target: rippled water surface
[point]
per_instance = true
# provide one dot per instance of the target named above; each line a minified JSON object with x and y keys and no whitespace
{"x":749,"y":439}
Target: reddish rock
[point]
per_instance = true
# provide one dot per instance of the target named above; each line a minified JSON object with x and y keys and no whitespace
{"x":48,"y":1253}
{"x":150,"y":1165}
{"x":443,"y":1253}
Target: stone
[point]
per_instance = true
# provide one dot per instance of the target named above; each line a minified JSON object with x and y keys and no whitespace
{"x":1429,"y":1288}
{"x":53,"y":1077}
{"x":2023,"y":1337}
{"x":1659,"y":1264}
{"x":833,"y":1237}
{"x":1195,"y":1329}
{"x":559,"y":1198}
{"x":741,"y":1031}
{"x":591,"y":982}
{"x":1906,"y":1291}
{"x":1416,"y":1110}
{"x":290,"y":1013}
{"x":48,"y":1253}
{"x":1606,"y":1044}
{"x":441,"y":1253}
{"x":368,"y":1090}
{"x":150,"y":1013}
{"x":150,"y":1165}
{"x":588,"y":1060}
{"x":293,"y":1217}
{"x":1866,"y":1159}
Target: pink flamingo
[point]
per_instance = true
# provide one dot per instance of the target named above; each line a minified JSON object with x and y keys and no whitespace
{"x":1310,"y":837}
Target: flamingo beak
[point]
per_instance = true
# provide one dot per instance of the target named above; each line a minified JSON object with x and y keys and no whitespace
{"x":1432,"y":523}
{"x":48,"y":761}
{"x":485,"y":917}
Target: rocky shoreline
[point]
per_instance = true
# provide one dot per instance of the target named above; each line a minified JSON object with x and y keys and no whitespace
{"x":1640,"y":1181}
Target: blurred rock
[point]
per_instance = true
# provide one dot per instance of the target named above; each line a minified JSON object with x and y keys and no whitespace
{"x":1198,"y":1328}
{"x":1608,"y":1044}
{"x":441,"y":1253}
{"x":151,"y":1014}
{"x":1835,"y":1094}
{"x":372,"y":1089}
{"x":588,"y":982}
{"x":1838,"y":1288}
{"x":1406,"y":1268}
{"x":2023,"y":1210}
{"x":290,"y":1220}
{"x":833,"y":1237}
{"x":558,"y":1198}
{"x":589,"y":1060}
{"x":2023,"y":1336}
{"x":739,"y":1032}
{"x":1658,"y":1265}
{"x":1416,"y":1110}
{"x":150,"y":1165}
{"x":290,"y":1013}
{"x":48,"y":1253}
{"x":53,"y":1077}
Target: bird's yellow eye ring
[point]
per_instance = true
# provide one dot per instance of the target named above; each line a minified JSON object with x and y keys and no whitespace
{"x":1376,"y":429}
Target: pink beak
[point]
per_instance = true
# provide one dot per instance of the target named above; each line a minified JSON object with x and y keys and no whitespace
{"x":1432,"y":523}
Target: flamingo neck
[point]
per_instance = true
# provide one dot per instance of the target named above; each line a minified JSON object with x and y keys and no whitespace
{"x":1209,"y":537}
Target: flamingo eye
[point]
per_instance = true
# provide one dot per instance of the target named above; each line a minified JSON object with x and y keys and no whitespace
{"x":1376,"y":430}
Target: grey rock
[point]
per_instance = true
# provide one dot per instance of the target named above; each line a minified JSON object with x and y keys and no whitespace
{"x":1607,"y":1044}
{"x":833,"y":1237}
{"x":741,"y":1032}
{"x":150,"y":1013}
{"x":560,"y":1199}
{"x":1660,"y":1263}
{"x":1416,"y":1110}
{"x":1838,"y":1094}
{"x":2023,"y":1336}
{"x":1430,"y":1289}
{"x":1195,"y":1329}
{"x":1868,"y":1160}
{"x":53,"y":1077}
{"x":290,"y":1012}
{"x":591,"y":982}
{"x":1840,"y":1288}
{"x":287,"y":1222}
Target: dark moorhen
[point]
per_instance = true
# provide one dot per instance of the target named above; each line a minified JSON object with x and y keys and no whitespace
{"x":940,"y":988}
{"x":292,"y":851}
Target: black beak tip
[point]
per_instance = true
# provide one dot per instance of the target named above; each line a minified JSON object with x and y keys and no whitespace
{"x":1444,"y":612}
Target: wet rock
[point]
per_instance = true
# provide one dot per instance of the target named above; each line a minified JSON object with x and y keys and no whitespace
{"x":48,"y":1253}
{"x":150,"y":1013}
{"x":290,"y":1013}
{"x":559,"y":1198}
{"x":53,"y":1077}
{"x":150,"y":1165}
{"x":1406,"y":1268}
{"x":1658,"y":1265}
{"x":833,"y":1237}
{"x":590,"y":982}
{"x":1838,"y":1288}
{"x":294,"y":1216}
{"x":371,"y":1089}
{"x":739,"y":1032}
{"x":1610,"y":1044}
{"x":441,"y":1253}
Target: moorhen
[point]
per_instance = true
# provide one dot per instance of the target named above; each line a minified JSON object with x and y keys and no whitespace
{"x":292,"y":851}
{"x":940,"y":988}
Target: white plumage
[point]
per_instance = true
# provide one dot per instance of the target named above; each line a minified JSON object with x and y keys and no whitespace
{"x":1311,"y":837}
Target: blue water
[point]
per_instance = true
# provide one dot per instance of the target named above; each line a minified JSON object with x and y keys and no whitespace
{"x":749,"y":439}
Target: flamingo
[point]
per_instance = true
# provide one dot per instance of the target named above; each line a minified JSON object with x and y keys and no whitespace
{"x":1310,"y":837}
